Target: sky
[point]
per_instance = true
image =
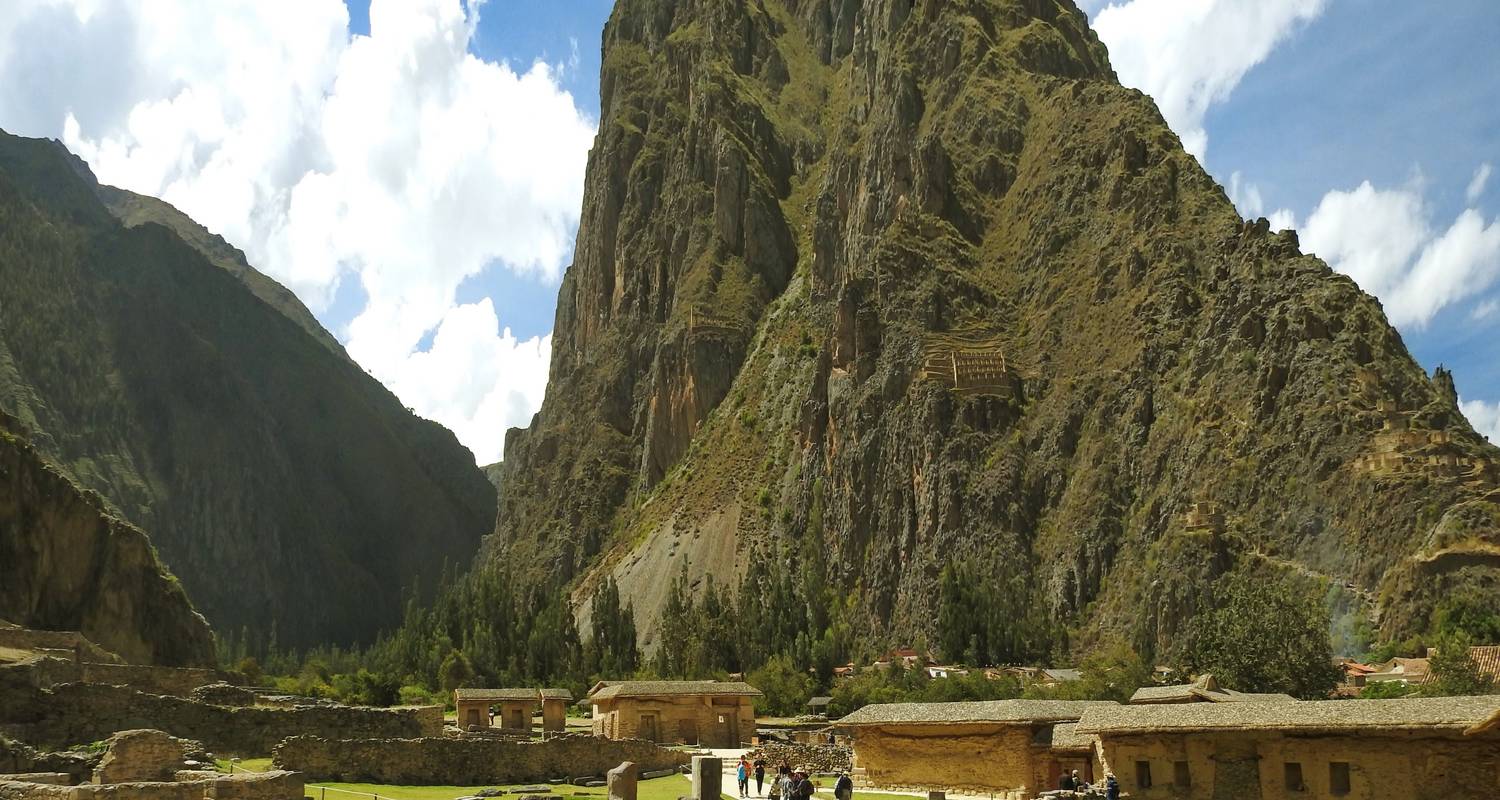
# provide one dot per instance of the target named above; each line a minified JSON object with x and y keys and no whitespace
{"x":413,"y":169}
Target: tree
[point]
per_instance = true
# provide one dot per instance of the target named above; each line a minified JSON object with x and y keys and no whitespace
{"x":1265,"y":636}
{"x":455,"y":671}
{"x":1453,"y":666}
{"x":786,"y":689}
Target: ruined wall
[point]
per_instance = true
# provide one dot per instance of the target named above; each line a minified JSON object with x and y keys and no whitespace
{"x":466,"y":761}
{"x":48,"y":671}
{"x":977,"y":758}
{"x":243,"y":786}
{"x":710,"y":721}
{"x":68,"y":644}
{"x":16,"y":757}
{"x":74,"y":713}
{"x":1252,"y":766}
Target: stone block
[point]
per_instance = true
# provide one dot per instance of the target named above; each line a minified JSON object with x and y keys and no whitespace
{"x":937,"y":795}
{"x":708,"y":777}
{"x":622,"y":781}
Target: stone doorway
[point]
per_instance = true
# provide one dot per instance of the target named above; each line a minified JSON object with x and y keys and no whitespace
{"x":649,"y":730}
{"x":517,"y":718}
{"x":687,"y":731}
{"x":473,"y":718}
{"x":727,"y":733}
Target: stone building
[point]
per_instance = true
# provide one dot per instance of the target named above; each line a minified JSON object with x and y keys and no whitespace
{"x":1009,"y":748}
{"x":508,"y":709}
{"x":1416,"y":749}
{"x":555,"y":709}
{"x":708,"y":713}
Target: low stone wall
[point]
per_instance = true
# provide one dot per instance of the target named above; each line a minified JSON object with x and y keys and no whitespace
{"x":244,"y":786}
{"x":16,"y":757}
{"x":46,"y":672}
{"x":466,"y":761}
{"x":75,"y":713}
{"x":175,"y":681}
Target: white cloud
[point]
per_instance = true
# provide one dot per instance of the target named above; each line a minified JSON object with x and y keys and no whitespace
{"x":398,"y":160}
{"x":1476,"y":186}
{"x":1384,"y":240}
{"x":1246,"y":197}
{"x":1191,"y":55}
{"x":1485,"y":417}
{"x":1485,"y":310}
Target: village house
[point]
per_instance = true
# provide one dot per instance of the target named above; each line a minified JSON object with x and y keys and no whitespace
{"x":707,"y":713}
{"x":1203,"y":690}
{"x":1441,"y":747}
{"x":1010,"y":748}
{"x":481,"y":708}
{"x":1408,"y":671}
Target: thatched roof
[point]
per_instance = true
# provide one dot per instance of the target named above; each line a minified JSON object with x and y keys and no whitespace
{"x":1429,"y":713}
{"x":616,"y":689}
{"x":557,"y":694}
{"x":1063,"y":736}
{"x":1001,"y":711}
{"x":482,"y":695}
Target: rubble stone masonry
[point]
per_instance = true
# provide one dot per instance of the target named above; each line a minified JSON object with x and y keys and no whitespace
{"x":75,"y":713}
{"x":466,"y":761}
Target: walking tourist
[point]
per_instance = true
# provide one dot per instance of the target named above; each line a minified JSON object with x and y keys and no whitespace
{"x":1066,"y":781}
{"x":804,"y":786}
{"x":742,"y":774}
{"x":1079,"y":784}
{"x":784,"y":783}
{"x":844,"y":788}
{"x":1111,"y":787}
{"x":760,"y":777}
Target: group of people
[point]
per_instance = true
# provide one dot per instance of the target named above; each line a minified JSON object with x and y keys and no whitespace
{"x":1072,"y":781}
{"x":789,"y":783}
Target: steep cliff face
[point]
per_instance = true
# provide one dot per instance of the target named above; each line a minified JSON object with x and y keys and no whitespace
{"x":906,"y":283}
{"x":66,"y":564}
{"x":281,"y":483}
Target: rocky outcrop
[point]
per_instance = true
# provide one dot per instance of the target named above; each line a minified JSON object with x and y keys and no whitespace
{"x":797,"y":211}
{"x":67,"y":564}
{"x":282,"y":484}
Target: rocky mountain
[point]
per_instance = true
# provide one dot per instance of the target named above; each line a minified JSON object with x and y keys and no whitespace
{"x":897,"y":284}
{"x":67,"y":564}
{"x":285,"y":487}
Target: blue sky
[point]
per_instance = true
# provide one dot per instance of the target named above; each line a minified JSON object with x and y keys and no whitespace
{"x":418,"y":181}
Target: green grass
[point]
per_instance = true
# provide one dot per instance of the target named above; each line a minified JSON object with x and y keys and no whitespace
{"x":668,"y":788}
{"x":245,"y":764}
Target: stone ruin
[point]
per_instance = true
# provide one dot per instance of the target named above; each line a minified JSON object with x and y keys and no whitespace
{"x":1399,"y":449}
{"x":152,"y":765}
{"x":968,"y":365}
{"x":1204,"y":516}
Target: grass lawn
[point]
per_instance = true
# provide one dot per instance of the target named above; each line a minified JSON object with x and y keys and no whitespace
{"x":668,"y":788}
{"x":246,"y":764}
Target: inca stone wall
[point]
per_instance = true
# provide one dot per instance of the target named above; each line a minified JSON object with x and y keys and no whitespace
{"x":244,"y":786}
{"x":466,"y":761}
{"x":74,"y":713}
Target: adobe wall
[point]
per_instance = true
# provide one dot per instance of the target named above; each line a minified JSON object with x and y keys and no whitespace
{"x":74,"y":713}
{"x":980,"y":759}
{"x":554,"y":715}
{"x":685,"y":720}
{"x":467,"y":760}
{"x":1251,"y":766}
{"x":244,"y":786}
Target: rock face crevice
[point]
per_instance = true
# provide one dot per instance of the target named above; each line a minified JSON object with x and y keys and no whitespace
{"x":66,"y":564}
{"x":921,"y":283}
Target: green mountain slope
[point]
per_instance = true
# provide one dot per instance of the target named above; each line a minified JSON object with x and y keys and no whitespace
{"x":281,"y":483}
{"x":890,"y":285}
{"x":66,"y":564}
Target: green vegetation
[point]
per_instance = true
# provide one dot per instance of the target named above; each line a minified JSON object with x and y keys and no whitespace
{"x":1264,"y":635}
